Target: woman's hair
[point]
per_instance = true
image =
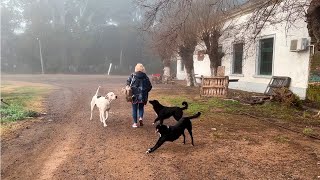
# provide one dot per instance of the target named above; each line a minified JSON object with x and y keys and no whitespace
{"x":139,"y":67}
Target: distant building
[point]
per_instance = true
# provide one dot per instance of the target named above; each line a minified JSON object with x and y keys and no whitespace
{"x":275,"y":53}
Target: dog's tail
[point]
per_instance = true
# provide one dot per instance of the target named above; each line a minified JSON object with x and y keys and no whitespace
{"x":194,"y":116}
{"x":97,"y":90}
{"x":185,"y":104}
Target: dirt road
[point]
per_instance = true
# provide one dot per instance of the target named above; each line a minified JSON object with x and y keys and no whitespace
{"x":67,"y":145}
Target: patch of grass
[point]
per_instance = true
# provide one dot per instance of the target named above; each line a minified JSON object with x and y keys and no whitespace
{"x":23,"y":101}
{"x":217,"y":135}
{"x":194,"y":106}
{"x":15,"y":112}
{"x":275,"y":110}
{"x":213,"y":105}
{"x":308,"y":131}
{"x":250,"y":140}
{"x":313,"y":93}
{"x":281,"y":139}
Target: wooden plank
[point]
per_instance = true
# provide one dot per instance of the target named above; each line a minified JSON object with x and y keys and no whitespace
{"x":215,"y":86}
{"x":260,"y":96}
{"x":216,"y":77}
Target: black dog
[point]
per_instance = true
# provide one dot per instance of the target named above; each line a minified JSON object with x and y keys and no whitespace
{"x":172,"y":133}
{"x":164,"y":112}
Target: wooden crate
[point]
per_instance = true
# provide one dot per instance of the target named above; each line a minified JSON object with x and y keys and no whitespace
{"x":214,"y":86}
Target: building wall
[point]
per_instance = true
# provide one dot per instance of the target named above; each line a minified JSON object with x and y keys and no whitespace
{"x":285,"y":63}
{"x":201,"y":68}
{"x":181,"y":72}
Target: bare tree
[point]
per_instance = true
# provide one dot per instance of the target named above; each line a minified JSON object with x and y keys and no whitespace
{"x":204,"y":19}
{"x":269,"y":12}
{"x":187,"y":44}
{"x":176,"y":33}
{"x":157,"y":11}
{"x":211,"y":18}
{"x":162,"y":47}
{"x":263,"y":12}
{"x":313,"y":20}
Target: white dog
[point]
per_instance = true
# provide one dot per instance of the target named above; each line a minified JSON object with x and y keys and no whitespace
{"x":103,"y":104}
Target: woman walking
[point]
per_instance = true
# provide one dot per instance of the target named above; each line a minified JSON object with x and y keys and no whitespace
{"x":140,"y":85}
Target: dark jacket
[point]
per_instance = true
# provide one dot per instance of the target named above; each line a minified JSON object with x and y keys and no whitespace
{"x":140,"y":86}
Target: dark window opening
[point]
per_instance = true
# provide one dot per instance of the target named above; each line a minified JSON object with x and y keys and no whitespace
{"x":265,"y":57}
{"x":237,"y":58}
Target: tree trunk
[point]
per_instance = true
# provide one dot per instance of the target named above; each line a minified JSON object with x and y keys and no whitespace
{"x":166,"y":74}
{"x":166,"y":70}
{"x":189,"y":79}
{"x":186,"y":54}
{"x":313,"y":25}
{"x":211,"y":40}
{"x":194,"y":79}
{"x":190,"y":73}
{"x":213,"y":71}
{"x":313,"y":20}
{"x":215,"y":61}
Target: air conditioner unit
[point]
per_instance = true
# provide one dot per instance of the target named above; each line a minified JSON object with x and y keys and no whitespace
{"x":299,"y":44}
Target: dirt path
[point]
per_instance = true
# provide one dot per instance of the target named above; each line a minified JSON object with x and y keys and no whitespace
{"x":67,"y":145}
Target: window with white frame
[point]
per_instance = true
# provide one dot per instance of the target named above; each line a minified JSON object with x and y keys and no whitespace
{"x":237,"y":58}
{"x":265,"y":59}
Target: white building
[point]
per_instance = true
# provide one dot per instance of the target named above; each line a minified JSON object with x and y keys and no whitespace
{"x":269,"y":56}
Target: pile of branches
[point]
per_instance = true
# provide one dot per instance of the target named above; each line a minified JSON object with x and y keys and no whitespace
{"x":285,"y":96}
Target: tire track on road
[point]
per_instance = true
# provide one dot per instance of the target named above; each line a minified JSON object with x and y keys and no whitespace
{"x":62,"y":148}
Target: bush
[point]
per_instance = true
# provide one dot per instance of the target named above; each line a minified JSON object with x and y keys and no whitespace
{"x":313,"y":93}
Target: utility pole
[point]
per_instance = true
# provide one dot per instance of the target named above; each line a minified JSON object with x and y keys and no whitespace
{"x":41,"y":60}
{"x":106,"y":63}
{"x":109,"y":69}
{"x":120,"y":64}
